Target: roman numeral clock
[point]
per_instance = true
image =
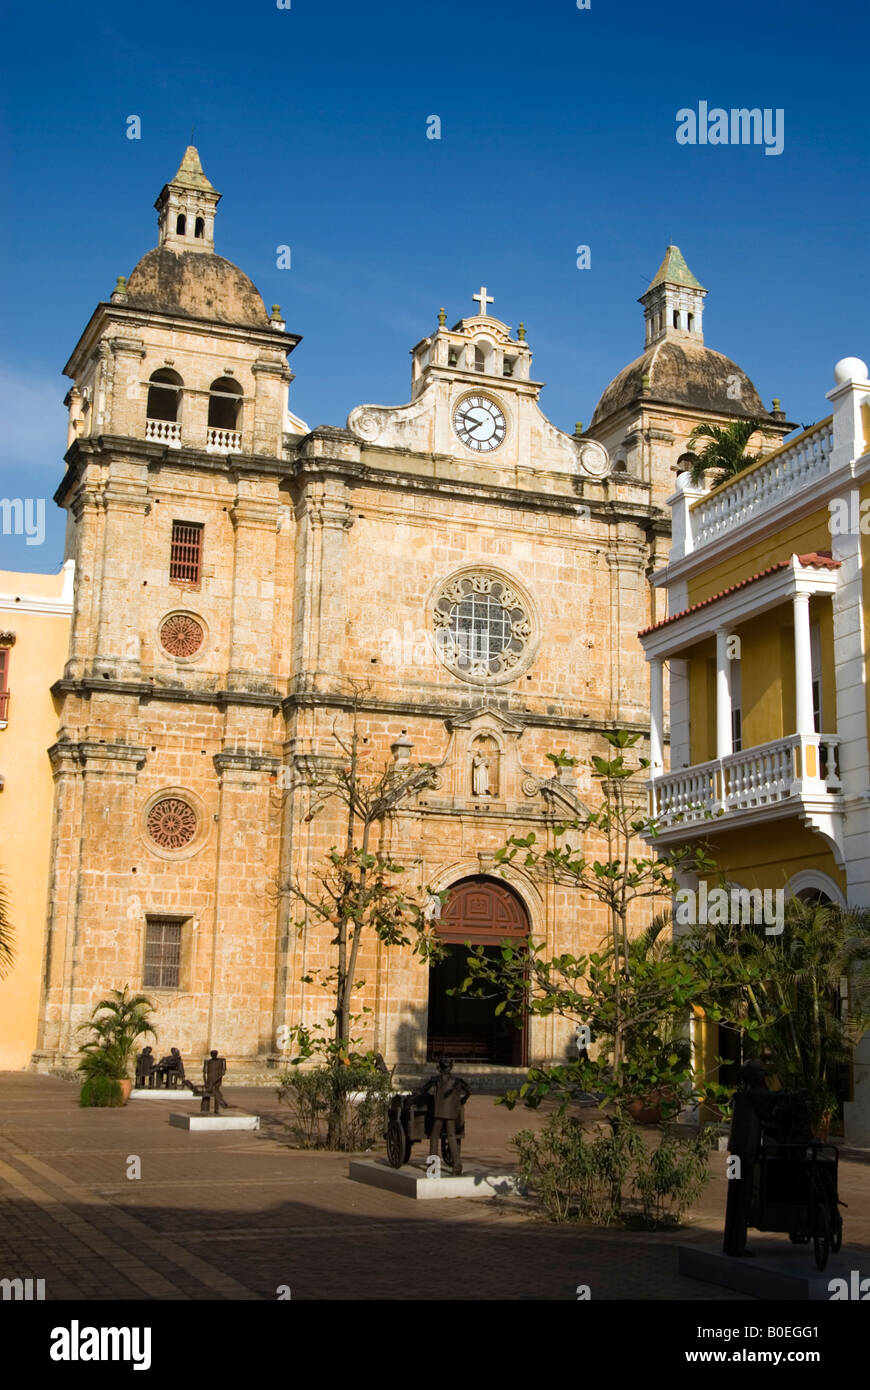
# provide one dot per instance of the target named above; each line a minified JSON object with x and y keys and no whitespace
{"x":479,"y":423}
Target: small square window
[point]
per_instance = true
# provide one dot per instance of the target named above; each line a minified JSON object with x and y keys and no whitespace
{"x":185,"y":564}
{"x":162,"y":953}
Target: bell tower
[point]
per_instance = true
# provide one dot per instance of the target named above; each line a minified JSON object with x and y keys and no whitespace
{"x":186,"y":208}
{"x":673,"y":306}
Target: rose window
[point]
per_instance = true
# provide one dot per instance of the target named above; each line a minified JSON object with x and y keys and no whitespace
{"x":181,"y":635}
{"x":483,"y":628}
{"x":171,"y":823}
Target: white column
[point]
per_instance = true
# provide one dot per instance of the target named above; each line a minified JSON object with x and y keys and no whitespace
{"x":724,"y":745}
{"x":803,"y":666}
{"x":656,"y":717}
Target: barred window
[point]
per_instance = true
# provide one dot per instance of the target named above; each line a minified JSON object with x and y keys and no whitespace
{"x":162,"y":953}
{"x":185,"y":563}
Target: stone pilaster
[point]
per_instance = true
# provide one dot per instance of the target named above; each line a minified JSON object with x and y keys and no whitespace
{"x":255,"y":520}
{"x":324,"y":516}
{"x":241,"y":992}
{"x":126,"y":503}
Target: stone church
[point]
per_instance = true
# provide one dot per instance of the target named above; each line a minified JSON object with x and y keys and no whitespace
{"x":478,"y":573}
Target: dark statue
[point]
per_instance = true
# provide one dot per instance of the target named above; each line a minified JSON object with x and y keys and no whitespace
{"x":213,"y":1072}
{"x":169,"y":1071}
{"x":447,"y":1095}
{"x":144,"y":1068}
{"x":785,"y":1179}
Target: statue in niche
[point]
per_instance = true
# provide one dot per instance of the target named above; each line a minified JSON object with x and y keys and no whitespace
{"x":484,"y":767}
{"x":480,"y":775}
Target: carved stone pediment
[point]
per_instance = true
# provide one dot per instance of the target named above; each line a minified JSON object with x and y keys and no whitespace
{"x":481,"y":766}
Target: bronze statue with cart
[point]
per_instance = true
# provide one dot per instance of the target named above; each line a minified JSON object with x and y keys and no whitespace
{"x":434,"y":1112}
{"x":786,"y":1179}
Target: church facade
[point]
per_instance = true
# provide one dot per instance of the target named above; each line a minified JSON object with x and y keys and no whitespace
{"x":471,"y":576}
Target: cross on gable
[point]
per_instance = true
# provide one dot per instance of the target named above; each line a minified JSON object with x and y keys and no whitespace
{"x":483,"y":299}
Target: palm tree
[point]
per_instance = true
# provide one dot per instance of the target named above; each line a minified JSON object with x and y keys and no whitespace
{"x":791,"y":991}
{"x":7,"y":934}
{"x":116,"y":1025}
{"x":726,"y":450}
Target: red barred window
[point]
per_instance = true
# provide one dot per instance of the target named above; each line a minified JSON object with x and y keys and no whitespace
{"x":185,"y":564}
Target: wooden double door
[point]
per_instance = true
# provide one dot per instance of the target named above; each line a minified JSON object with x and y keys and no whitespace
{"x":482,"y":912}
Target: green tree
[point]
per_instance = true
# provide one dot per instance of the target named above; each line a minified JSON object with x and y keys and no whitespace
{"x":786,"y":992}
{"x":633,"y":995}
{"x":359,"y":892}
{"x":726,"y":450}
{"x":359,"y":888}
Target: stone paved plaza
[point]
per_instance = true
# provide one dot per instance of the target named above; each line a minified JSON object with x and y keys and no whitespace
{"x":236,"y":1215}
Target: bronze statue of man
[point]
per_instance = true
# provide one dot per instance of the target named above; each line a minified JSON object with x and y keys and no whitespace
{"x":170,"y":1070}
{"x":145,"y":1068}
{"x":448,"y":1095}
{"x":213,"y":1072}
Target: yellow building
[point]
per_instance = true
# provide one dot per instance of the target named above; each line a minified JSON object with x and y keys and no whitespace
{"x":766,"y":648}
{"x":35,"y":613}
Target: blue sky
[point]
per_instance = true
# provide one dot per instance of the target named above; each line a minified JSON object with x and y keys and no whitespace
{"x":558,"y":129}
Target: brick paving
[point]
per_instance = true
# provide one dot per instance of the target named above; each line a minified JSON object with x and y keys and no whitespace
{"x":236,"y":1215}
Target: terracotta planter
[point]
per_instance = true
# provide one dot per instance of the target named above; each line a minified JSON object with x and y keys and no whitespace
{"x":126,"y":1087}
{"x":645,"y":1112}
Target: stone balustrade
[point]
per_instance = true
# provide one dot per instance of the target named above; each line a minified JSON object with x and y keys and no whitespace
{"x":164,"y":432}
{"x":223,"y":441}
{"x":765,"y":487}
{"x":801,"y":764}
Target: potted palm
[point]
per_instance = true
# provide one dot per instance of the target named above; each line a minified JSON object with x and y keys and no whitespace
{"x":116,"y":1025}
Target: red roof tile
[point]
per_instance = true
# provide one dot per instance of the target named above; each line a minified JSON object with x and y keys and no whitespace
{"x":815,"y":559}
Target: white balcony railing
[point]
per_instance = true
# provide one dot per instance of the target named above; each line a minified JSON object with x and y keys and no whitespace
{"x":164,"y":432}
{"x":794,"y":767}
{"x":223,"y":441}
{"x":765,"y":487}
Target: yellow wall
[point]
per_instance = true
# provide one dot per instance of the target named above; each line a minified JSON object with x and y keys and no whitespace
{"x":767,"y":680}
{"x":811,"y":533}
{"x":36,"y":661}
{"x":769,"y":857}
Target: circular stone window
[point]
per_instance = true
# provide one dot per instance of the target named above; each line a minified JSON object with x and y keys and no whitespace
{"x":181,"y":635}
{"x":172,"y":823}
{"x":484,"y":627}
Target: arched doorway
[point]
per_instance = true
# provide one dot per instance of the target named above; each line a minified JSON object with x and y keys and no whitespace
{"x":483,"y":912}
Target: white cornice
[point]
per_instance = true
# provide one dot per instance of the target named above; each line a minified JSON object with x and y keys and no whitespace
{"x":730,"y":609}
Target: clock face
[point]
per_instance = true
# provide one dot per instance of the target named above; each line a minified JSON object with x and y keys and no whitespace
{"x":479,"y":423}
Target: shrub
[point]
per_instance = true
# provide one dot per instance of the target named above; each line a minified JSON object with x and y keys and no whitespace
{"x":341,"y":1105}
{"x":673,"y":1177}
{"x":101,"y":1091}
{"x":580,"y":1178}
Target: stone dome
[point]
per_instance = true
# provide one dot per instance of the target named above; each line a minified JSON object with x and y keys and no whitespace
{"x":683,"y":372}
{"x":196,"y":284}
